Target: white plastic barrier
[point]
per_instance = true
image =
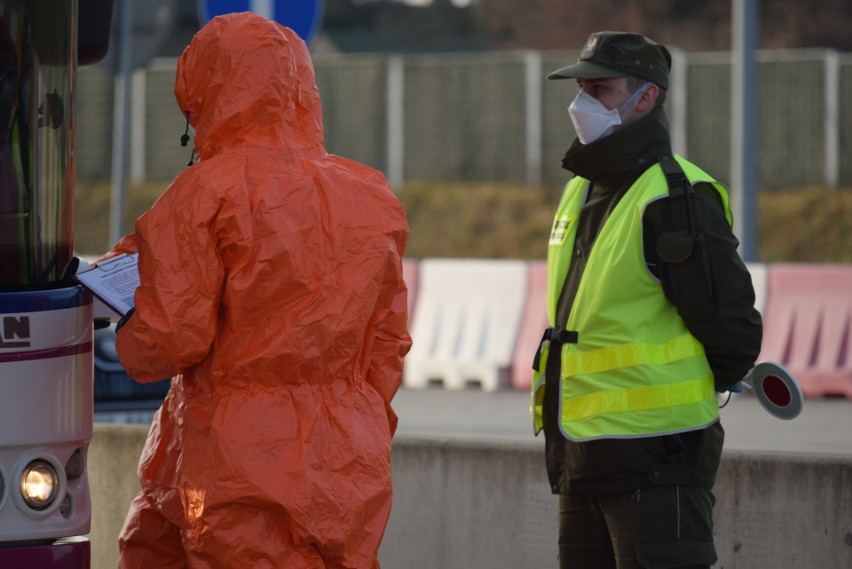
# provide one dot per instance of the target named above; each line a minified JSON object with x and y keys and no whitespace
{"x":758,"y":279}
{"x":467,"y":317}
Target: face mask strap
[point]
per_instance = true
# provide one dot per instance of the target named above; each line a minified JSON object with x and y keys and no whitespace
{"x":638,"y":93}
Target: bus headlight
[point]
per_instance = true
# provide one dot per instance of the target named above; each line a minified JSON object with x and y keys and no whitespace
{"x":39,"y":484}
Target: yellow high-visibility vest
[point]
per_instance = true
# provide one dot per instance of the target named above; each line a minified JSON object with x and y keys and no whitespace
{"x":635,"y":371}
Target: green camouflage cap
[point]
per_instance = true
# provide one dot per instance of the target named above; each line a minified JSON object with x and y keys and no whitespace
{"x":616,"y":54}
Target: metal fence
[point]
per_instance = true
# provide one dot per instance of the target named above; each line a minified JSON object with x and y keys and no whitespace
{"x":494,"y":116}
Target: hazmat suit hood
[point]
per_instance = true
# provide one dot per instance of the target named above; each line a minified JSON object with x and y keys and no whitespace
{"x":272,"y":294}
{"x":259,"y":93}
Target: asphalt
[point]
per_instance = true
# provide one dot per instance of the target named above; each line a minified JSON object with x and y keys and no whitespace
{"x":824,"y":426}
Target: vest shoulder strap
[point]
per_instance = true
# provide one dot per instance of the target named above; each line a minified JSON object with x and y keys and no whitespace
{"x":675,"y":176}
{"x":679,"y":187}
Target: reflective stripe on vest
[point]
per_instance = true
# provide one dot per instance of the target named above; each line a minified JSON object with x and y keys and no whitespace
{"x":613,"y":386}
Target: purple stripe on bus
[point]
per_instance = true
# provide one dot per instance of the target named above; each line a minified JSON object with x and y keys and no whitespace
{"x":64,"y":351}
{"x":71,"y":554}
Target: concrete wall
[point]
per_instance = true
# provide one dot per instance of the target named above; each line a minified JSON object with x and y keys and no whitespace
{"x":113,"y":457}
{"x":475,"y":504}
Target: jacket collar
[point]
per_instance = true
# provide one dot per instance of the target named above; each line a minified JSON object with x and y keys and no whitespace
{"x":621,"y":156}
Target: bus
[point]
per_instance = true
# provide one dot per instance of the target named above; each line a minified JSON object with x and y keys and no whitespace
{"x":46,"y":320}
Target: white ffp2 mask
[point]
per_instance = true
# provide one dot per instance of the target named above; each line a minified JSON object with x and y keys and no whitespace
{"x":592,"y":120}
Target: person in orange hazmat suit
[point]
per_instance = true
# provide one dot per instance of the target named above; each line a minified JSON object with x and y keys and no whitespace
{"x":272,"y":292}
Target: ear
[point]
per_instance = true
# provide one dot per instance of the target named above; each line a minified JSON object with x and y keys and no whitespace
{"x":648,"y":98}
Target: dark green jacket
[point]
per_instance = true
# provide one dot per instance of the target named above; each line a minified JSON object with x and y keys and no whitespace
{"x":713,"y":293}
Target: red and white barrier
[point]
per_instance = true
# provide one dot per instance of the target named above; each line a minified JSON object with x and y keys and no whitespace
{"x":478,"y":321}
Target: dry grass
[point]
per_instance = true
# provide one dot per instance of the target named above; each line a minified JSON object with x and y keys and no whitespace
{"x":477,"y":220}
{"x":92,"y":212}
{"x":812,"y":225}
{"x":482,"y":220}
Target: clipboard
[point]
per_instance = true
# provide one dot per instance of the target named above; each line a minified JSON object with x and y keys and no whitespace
{"x":114,"y":281}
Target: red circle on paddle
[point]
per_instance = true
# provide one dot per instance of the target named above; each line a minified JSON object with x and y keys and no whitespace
{"x":776,"y":391}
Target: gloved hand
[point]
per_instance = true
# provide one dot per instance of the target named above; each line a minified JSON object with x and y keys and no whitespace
{"x":125,"y":318}
{"x":734,"y":388}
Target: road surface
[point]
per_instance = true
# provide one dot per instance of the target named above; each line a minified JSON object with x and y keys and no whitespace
{"x":824,"y":427}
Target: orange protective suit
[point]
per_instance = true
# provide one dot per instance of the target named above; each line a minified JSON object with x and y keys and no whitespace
{"x":272,"y":291}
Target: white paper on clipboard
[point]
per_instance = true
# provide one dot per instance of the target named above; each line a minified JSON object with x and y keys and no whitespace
{"x":114,"y":281}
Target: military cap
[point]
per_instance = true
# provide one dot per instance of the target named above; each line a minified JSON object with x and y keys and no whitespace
{"x":616,"y":54}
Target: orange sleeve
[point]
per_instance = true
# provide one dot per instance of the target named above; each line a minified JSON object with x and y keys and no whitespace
{"x":182,"y":277}
{"x":392,"y":340}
